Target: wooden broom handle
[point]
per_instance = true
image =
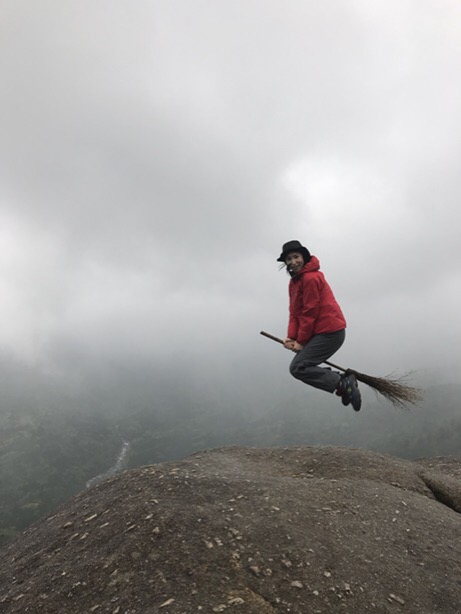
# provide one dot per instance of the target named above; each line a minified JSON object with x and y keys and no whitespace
{"x":269,"y":336}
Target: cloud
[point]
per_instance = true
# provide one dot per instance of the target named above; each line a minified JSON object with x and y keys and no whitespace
{"x":155,"y":157}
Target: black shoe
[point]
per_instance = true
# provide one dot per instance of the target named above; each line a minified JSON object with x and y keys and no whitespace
{"x":349,"y":391}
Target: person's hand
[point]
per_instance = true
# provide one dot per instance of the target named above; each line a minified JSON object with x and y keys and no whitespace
{"x":288,"y":343}
{"x":296,"y":347}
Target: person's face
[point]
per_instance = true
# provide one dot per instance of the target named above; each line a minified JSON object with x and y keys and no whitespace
{"x":294,"y":261}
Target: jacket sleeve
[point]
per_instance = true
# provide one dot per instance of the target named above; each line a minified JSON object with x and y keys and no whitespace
{"x":293,"y":320}
{"x":293,"y":326}
{"x":311,"y":306}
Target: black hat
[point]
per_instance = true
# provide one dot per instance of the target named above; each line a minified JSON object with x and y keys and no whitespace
{"x":294,"y":246}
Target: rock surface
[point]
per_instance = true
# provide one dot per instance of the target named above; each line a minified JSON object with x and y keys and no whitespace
{"x":308,"y":530}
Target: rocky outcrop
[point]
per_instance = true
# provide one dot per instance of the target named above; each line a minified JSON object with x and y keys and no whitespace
{"x":308,"y":530}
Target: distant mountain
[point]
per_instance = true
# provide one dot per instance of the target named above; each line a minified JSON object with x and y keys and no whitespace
{"x":306,"y":529}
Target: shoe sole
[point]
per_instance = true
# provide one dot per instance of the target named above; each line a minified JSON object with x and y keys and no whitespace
{"x":356,"y":397}
{"x":352,"y":394}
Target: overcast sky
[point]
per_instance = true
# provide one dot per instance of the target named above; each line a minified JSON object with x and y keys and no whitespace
{"x":155,"y":155}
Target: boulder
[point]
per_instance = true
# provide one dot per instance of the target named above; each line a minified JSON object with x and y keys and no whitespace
{"x":308,"y":530}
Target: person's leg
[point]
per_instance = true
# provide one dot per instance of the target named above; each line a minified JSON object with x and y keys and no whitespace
{"x":318,"y":349}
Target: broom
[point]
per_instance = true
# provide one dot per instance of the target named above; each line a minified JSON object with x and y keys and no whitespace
{"x":394,"y":389}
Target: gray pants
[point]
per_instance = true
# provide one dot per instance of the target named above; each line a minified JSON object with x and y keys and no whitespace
{"x":318,"y":349}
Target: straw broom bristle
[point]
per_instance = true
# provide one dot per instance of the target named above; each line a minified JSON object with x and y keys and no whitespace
{"x":394,"y":389}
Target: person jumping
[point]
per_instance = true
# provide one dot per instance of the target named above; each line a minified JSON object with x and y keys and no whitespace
{"x":316,"y":326}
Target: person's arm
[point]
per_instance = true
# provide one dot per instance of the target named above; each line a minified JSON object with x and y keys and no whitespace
{"x":293,"y":320}
{"x":311,"y":308}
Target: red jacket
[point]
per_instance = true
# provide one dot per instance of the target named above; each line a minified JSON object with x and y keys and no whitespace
{"x":313,"y":308}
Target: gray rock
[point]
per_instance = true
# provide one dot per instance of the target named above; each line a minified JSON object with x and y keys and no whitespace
{"x":307,"y":529}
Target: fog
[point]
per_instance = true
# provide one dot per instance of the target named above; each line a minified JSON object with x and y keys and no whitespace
{"x":156,"y":155}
